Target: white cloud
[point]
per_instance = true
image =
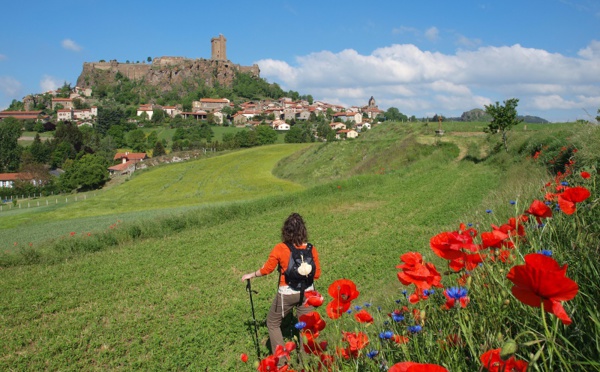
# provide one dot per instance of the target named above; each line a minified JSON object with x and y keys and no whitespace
{"x":432,"y":34}
{"x":465,"y":42}
{"x":71,"y":45}
{"x":418,"y":81}
{"x":50,"y":83}
{"x":10,"y":87}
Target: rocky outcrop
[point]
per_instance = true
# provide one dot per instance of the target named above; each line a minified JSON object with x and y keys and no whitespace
{"x":165,"y":72}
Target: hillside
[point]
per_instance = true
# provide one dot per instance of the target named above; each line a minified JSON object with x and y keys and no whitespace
{"x":165,"y":294}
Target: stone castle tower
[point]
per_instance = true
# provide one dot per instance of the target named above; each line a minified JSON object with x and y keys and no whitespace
{"x":219,"y":48}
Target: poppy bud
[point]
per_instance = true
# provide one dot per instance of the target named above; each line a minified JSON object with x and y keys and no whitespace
{"x":469,"y":280}
{"x":499,"y":337}
{"x":501,"y":271}
{"x":422,"y":315}
{"x":508,"y":349}
{"x":506,"y":302}
{"x":244,"y":357}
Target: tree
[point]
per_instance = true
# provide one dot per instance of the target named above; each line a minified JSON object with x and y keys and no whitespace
{"x":503,"y":118}
{"x":136,"y":139}
{"x":108,"y":117}
{"x":266,"y":135}
{"x":149,"y":59}
{"x":10,"y":151}
{"x":152,"y":138}
{"x":299,"y":134}
{"x":158,"y":115}
{"x":39,"y":151}
{"x":393,"y":114}
{"x":159,"y":149}
{"x":88,"y":173}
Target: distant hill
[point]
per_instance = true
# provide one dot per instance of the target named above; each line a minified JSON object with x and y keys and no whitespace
{"x":480,"y":115}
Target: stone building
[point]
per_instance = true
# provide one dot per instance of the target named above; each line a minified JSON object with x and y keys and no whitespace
{"x":219,"y":48}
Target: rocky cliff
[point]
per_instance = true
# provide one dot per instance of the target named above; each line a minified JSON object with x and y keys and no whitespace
{"x":165,"y":72}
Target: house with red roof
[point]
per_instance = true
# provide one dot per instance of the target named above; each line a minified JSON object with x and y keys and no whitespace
{"x":7,"y":180}
{"x":21,"y":115}
{"x":128,"y":164}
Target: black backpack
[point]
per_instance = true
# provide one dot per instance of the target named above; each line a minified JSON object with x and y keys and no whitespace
{"x":293,"y":278}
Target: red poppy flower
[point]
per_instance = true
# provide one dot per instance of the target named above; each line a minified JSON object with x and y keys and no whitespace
{"x":314,"y":323}
{"x":423,"y":276}
{"x":72,"y":233}
{"x":571,"y":196}
{"x":356,"y":341}
{"x":285,"y":350}
{"x":335,"y":308}
{"x":542,"y":282}
{"x":313,"y":298}
{"x":363,"y":316}
{"x":310,"y":344}
{"x":399,"y":340}
{"x":269,"y":364}
{"x":451,"y":245}
{"x":539,"y":210}
{"x":416,"y":367}
{"x":515,"y":226}
{"x":343,"y":290}
{"x":493,"y":363}
{"x":494,"y":239}
{"x":585,"y":175}
{"x":468,"y":261}
{"x":244,"y":357}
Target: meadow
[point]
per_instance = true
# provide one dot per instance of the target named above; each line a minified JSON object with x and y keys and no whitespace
{"x":163,"y":292}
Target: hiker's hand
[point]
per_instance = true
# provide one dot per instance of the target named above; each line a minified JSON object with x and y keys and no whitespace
{"x":247,"y":276}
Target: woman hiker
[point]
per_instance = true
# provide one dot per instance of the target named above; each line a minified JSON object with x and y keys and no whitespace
{"x":300,"y":272}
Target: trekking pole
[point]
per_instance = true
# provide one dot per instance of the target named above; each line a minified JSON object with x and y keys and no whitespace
{"x":249,"y":289}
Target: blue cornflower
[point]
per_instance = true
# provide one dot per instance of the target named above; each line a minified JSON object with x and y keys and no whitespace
{"x":385,"y":322}
{"x":372,"y":354}
{"x":300,"y":325}
{"x":470,"y":224}
{"x":488,"y":211}
{"x":512,"y":202}
{"x":564,"y":183}
{"x":557,"y":208}
{"x":386,"y":335}
{"x":367,"y":304}
{"x":548,"y":202}
{"x":397,"y":317}
{"x":541,"y":225}
{"x":545,"y":252}
{"x":428,"y":292}
{"x":349,"y":311}
{"x":456,"y":292}
{"x":358,"y":308}
{"x":415,"y":329}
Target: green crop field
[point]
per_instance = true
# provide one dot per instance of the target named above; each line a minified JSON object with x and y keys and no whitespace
{"x":167,"y":295}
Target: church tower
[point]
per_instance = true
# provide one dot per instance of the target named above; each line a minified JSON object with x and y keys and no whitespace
{"x":219,"y":48}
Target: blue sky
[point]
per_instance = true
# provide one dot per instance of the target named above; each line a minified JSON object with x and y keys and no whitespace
{"x":423,"y":57}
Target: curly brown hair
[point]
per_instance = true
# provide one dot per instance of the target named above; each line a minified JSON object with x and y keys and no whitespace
{"x":294,"y":230}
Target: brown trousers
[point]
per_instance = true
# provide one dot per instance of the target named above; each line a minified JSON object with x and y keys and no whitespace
{"x":276,"y":315}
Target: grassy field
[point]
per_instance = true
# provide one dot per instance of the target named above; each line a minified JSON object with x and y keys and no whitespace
{"x":163,"y":189}
{"x":175,"y":302}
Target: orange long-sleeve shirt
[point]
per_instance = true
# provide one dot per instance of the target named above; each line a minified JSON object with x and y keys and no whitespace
{"x":280,"y":255}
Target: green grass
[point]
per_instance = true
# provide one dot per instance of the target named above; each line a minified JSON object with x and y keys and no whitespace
{"x":222,"y":179}
{"x":174,"y":301}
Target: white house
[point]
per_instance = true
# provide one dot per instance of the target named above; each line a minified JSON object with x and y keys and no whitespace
{"x":64,"y":114}
{"x":148,"y":109}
